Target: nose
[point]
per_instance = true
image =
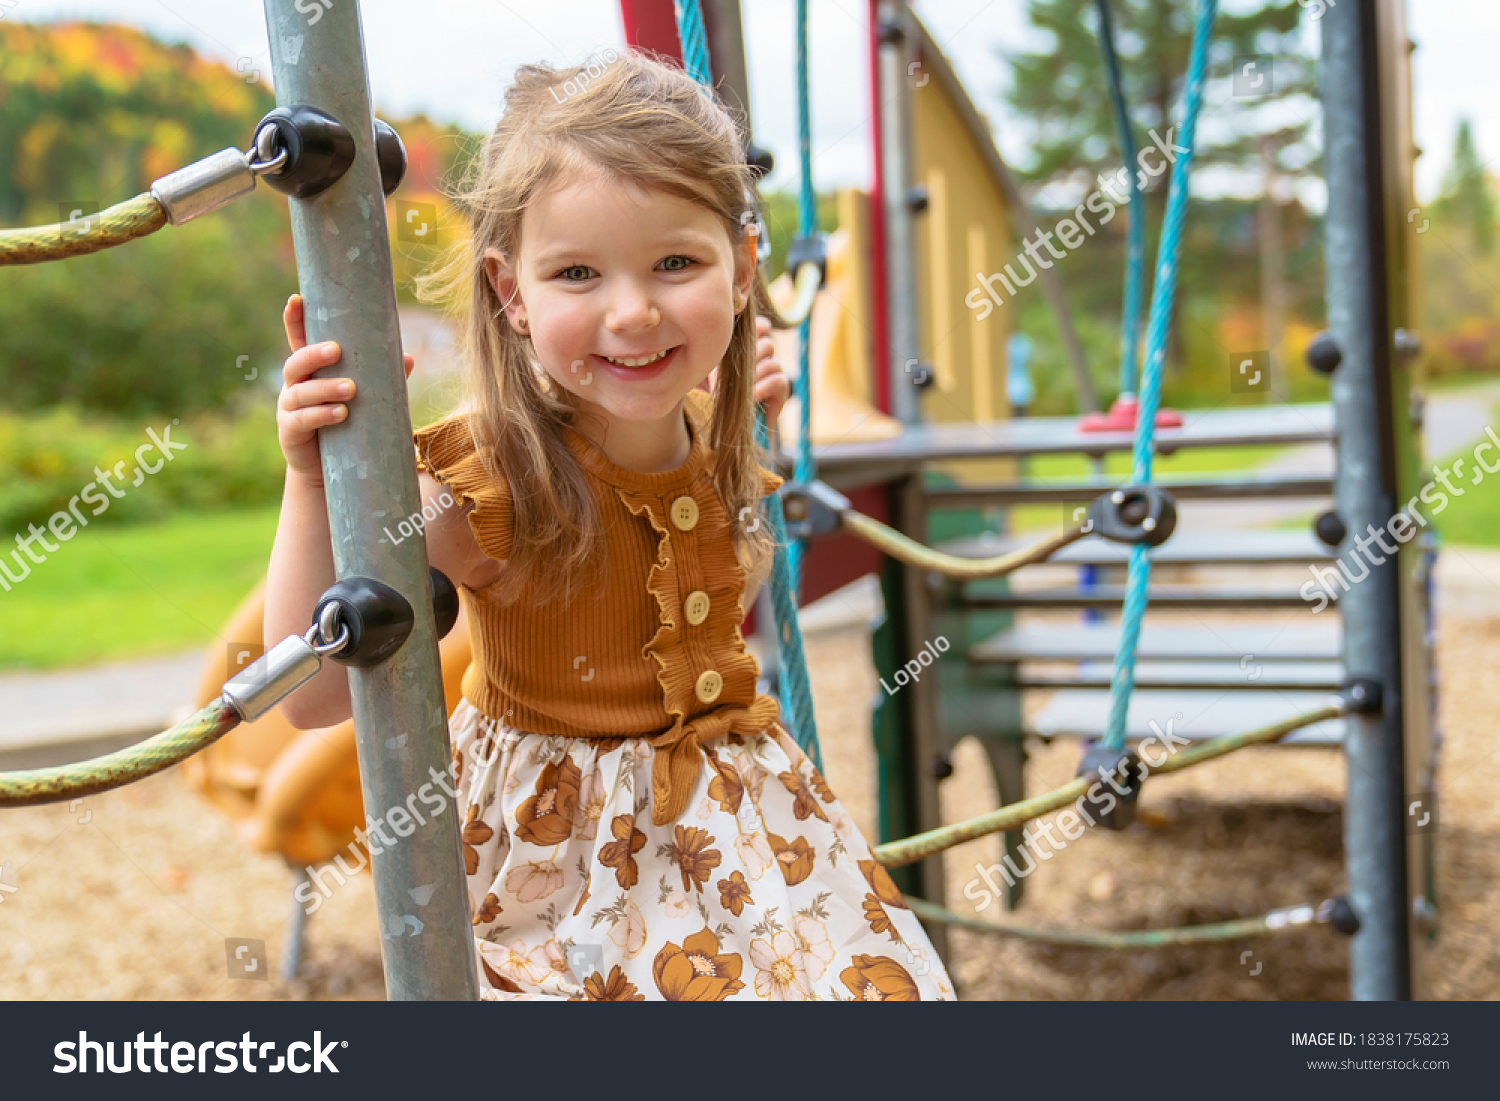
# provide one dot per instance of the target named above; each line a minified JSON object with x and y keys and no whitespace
{"x":631,"y":308}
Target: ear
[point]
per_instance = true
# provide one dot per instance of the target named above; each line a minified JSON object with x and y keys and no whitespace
{"x":744,"y":265}
{"x":507,"y":286}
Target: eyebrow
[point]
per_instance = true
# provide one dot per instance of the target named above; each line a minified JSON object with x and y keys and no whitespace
{"x":676,"y":239}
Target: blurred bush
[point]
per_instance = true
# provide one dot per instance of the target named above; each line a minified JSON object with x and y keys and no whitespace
{"x":48,"y":458}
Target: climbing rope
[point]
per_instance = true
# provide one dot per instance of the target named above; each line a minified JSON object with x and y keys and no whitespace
{"x":1135,"y":247}
{"x":1139,"y":579}
{"x":1274,"y":921}
{"x":795,"y":687}
{"x":137,"y":217}
{"x":125,"y":766}
{"x":894,"y":854}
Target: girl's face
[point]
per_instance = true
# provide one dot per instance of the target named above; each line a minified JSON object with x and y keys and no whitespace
{"x":629,"y":295}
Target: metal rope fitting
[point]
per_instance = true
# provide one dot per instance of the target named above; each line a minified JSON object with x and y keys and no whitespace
{"x":278,"y":673}
{"x":1362,"y":696}
{"x":204,"y":186}
{"x":812,"y":509}
{"x":1134,"y":514}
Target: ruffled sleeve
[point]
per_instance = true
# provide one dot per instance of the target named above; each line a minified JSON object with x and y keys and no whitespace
{"x":769,"y":483}
{"x":445,"y":450}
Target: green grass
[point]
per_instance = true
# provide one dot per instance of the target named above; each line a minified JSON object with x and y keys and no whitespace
{"x":1472,"y":520}
{"x":135,"y":591}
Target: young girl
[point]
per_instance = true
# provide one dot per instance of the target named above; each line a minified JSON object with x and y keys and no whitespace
{"x":637,"y":823}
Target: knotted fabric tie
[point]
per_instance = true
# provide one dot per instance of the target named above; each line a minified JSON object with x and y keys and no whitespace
{"x":677,"y":762}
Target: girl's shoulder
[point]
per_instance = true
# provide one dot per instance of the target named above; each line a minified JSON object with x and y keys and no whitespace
{"x":446,"y":450}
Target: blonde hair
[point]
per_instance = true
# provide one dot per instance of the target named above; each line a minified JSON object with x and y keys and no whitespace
{"x":636,"y":119}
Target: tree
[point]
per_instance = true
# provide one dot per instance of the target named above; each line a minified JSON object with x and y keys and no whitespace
{"x":1466,"y":193}
{"x":1063,"y":93}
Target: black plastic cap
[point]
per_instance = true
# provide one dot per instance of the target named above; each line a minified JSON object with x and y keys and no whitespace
{"x":444,"y":602}
{"x":1329,"y":527}
{"x":1364,"y":696}
{"x":1343,"y":918}
{"x":392,"y":157}
{"x":378,"y":619}
{"x":1324,"y":354}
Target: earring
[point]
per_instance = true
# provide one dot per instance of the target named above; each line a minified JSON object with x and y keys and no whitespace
{"x":521,"y":325}
{"x":739,"y":300}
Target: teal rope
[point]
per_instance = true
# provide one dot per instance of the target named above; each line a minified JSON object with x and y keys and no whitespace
{"x":796,"y":689}
{"x":1135,"y":247}
{"x":1138,"y":582}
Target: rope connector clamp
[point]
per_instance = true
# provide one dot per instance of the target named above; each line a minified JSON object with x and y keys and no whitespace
{"x":812,"y":509}
{"x":1120,"y":774}
{"x":1134,"y":514}
{"x":809,"y":250}
{"x":1362,"y":696}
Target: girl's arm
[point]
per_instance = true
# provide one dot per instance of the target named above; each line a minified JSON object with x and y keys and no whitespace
{"x":301,"y":567}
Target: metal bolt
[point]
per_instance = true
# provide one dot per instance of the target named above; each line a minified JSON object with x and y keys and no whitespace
{"x":1148,"y":524}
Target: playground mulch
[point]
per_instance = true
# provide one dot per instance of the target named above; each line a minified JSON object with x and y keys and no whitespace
{"x":136,"y":902}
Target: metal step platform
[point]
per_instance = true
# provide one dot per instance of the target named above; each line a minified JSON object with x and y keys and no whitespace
{"x":1083,"y":713}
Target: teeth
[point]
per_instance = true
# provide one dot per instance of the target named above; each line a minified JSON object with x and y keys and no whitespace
{"x":642,"y":362}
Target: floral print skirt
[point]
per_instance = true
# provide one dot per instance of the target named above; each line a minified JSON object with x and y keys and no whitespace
{"x":763,"y":890}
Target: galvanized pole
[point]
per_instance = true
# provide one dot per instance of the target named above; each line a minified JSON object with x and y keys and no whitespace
{"x":344,"y":265}
{"x":897,"y":157}
{"x":1365,"y":492}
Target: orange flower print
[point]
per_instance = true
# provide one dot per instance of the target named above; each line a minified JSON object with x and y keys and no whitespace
{"x":619,"y":854}
{"x":880,"y":921}
{"x":475,"y":833}
{"x":820,"y":786}
{"x":804,"y":805}
{"x":696,"y":972}
{"x":613,"y":989}
{"x":726,"y":785}
{"x":781,"y":976}
{"x":879,"y":979}
{"x":795,"y":859}
{"x":695,"y":860}
{"x":734,"y":892}
{"x":488,"y":910}
{"x":546,"y":818}
{"x":884,"y":886}
{"x":812,"y":939}
{"x":533,"y":880}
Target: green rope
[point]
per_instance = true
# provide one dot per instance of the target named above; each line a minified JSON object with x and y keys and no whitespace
{"x":137,"y":217}
{"x":894,"y":854}
{"x":1266,"y":924}
{"x":124,"y":766}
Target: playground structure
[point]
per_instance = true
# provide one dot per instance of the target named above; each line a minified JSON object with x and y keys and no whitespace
{"x":912,"y":431}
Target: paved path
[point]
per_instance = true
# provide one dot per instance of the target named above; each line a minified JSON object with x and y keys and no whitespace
{"x":51,"y":718}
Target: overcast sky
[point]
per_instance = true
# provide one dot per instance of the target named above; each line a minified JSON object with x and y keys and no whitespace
{"x":453,"y":58}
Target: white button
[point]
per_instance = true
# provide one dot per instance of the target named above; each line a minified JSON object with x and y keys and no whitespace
{"x":696,"y":607}
{"x":710,"y":684}
{"x":685,"y":513}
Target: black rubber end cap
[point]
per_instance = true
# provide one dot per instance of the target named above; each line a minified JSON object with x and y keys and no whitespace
{"x":1324,"y":354}
{"x":1329,"y":527}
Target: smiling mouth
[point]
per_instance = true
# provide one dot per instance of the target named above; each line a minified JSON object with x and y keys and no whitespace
{"x":637,"y":361}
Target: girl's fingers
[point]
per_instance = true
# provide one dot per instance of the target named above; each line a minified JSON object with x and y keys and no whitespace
{"x":762,"y":326}
{"x":309,"y":420}
{"x":295,"y":323}
{"x":302,"y":363}
{"x":320,"y":391}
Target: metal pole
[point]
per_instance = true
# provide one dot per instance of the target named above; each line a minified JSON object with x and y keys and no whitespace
{"x":344,"y":265}
{"x":1364,"y":489}
{"x":726,"y":54}
{"x":896,"y":155}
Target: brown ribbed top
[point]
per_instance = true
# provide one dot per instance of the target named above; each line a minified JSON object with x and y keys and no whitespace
{"x":628,"y":660}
